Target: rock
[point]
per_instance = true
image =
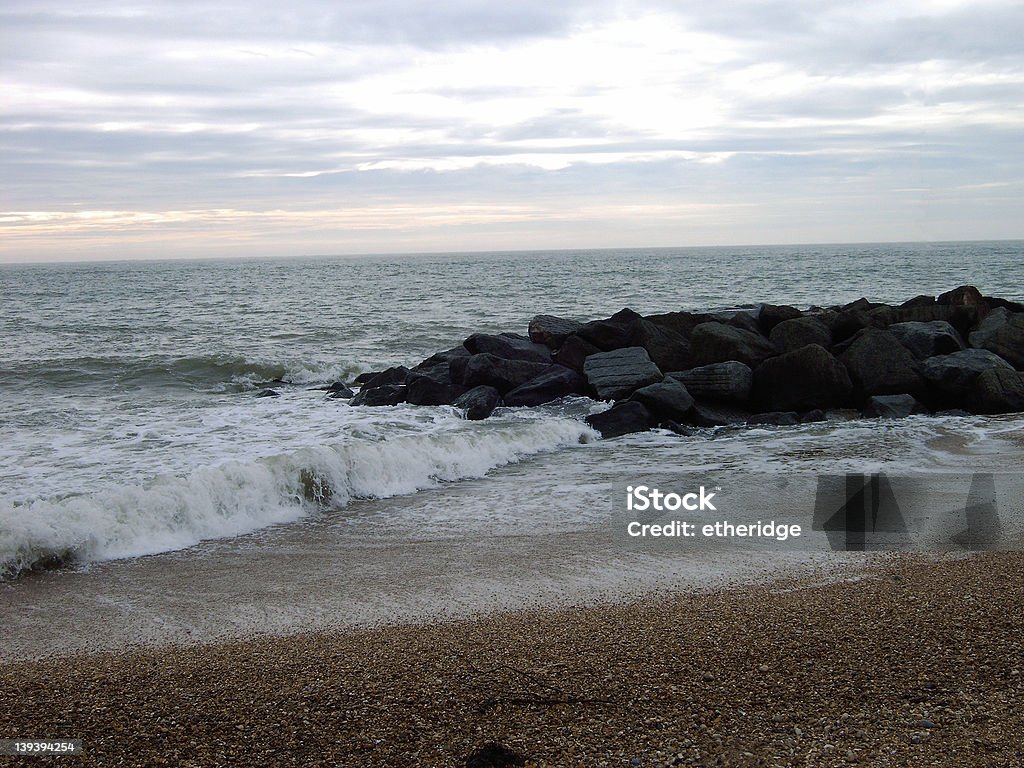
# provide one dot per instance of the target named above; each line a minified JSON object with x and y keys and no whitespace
{"x":809,"y":377}
{"x":432,"y":387}
{"x":716,"y":415}
{"x":682,"y":323}
{"x":927,"y":339}
{"x":555,"y":382}
{"x":667,"y":399}
{"x":773,"y":314}
{"x":993,"y":321}
{"x":395,"y":375}
{"x":731,"y":381}
{"x":574,"y":351}
{"x":716,"y":342}
{"x":879,"y":365}
{"x":269,"y":393}
{"x":964,"y":296}
{"x":616,"y":374}
{"x":362,"y":378}
{"x":500,"y":373}
{"x":815,"y":414}
{"x":997,"y":390}
{"x":667,"y":349}
{"x":775,"y":418}
{"x":789,"y":335}
{"x":893,"y":407}
{"x":918,"y":301}
{"x":478,"y":402}
{"x":960,"y":317}
{"x":739,"y":319}
{"x":1007,"y":340}
{"x":508,"y":346}
{"x":609,"y":334}
{"x":552,"y":331}
{"x":951,"y":376}
{"x":621,"y":419}
{"x":389,"y":394}
{"x":339,"y":391}
{"x":848,"y":322}
{"x":441,"y":359}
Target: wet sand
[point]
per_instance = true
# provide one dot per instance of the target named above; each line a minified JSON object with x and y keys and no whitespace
{"x":918,"y":663}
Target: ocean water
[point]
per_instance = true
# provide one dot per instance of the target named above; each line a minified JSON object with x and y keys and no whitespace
{"x":129,"y":424}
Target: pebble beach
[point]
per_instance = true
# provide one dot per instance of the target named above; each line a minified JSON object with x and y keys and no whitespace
{"x":914,"y":662}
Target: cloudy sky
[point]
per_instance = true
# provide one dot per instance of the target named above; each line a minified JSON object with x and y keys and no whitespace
{"x":157,"y":129}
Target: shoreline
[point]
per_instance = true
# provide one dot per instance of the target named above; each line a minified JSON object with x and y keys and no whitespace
{"x":785,"y":672}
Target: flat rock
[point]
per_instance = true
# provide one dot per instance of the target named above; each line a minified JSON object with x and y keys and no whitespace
{"x":617,"y":374}
{"x":997,"y":390}
{"x":879,"y":365}
{"x":799,"y":332}
{"x":478,"y":403}
{"x":621,"y":419}
{"x":555,"y":382}
{"x":552,"y":331}
{"x":728,"y":381}
{"x":716,"y":342}
{"x":806,"y":378}
{"x":925,"y":340}
{"x":667,"y":399}
{"x":893,"y":406}
{"x":508,"y":346}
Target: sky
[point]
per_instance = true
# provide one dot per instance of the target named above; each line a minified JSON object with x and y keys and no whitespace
{"x":173,"y":129}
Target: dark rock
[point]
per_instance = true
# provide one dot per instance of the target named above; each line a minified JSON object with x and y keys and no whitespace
{"x":432,"y":387}
{"x":799,"y":332}
{"x":958,"y":412}
{"x":740,"y":319}
{"x":362,"y":378}
{"x":682,"y":323}
{"x":269,"y":393}
{"x":731,"y":380}
{"x":552,"y":331}
{"x":879,"y":365}
{"x":621,"y":419}
{"x":555,"y":382}
{"x":716,"y":342}
{"x":1007,"y":340}
{"x":616,"y":374}
{"x":848,"y":322}
{"x":500,"y":373}
{"x":668,"y":350}
{"x":441,"y":359}
{"x":809,"y":377}
{"x":716,"y":415}
{"x":478,"y":402}
{"x":339,"y":391}
{"x":951,"y":376}
{"x":893,"y":407}
{"x":667,"y":399}
{"x":508,"y":346}
{"x":609,"y":334}
{"x":813,"y":415}
{"x":773,"y":314}
{"x":680,"y":429}
{"x":964,"y":296}
{"x":997,"y":390}
{"x":918,"y":301}
{"x":491,"y":754}
{"x":984,"y":330}
{"x":960,"y":317}
{"x":927,"y":339}
{"x":775,"y":418}
{"x":395,"y":375}
{"x":389,"y":394}
{"x":574,"y":352}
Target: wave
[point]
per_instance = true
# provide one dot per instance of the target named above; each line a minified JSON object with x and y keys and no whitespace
{"x":236,"y":498}
{"x":216,"y":372}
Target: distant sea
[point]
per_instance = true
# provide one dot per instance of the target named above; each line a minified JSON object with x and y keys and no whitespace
{"x":129,"y":422}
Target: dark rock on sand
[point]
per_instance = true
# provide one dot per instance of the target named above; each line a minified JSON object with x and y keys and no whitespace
{"x":621,"y":419}
{"x":716,"y":342}
{"x":951,"y":376}
{"x":925,"y":340}
{"x":478,"y":402}
{"x":609,"y":334}
{"x":893,"y":406}
{"x":395,"y":375}
{"x":809,"y":377}
{"x":616,"y":374}
{"x":799,"y":332}
{"x":574,"y":352}
{"x":555,"y":382}
{"x":997,"y":390}
{"x":552,"y":331}
{"x":500,"y":373}
{"x":667,"y":399}
{"x":508,"y":346}
{"x":667,"y":349}
{"x":879,"y":365}
{"x":731,"y":381}
{"x":389,"y":394}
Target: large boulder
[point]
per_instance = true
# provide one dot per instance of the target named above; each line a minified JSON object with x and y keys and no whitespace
{"x":1007,"y":340}
{"x":879,"y":365}
{"x":728,"y":381}
{"x":509,"y":346}
{"x":997,"y":390}
{"x":617,"y":374}
{"x":499,"y":373}
{"x":574,"y":351}
{"x":961,"y":317}
{"x":993,"y":321}
{"x":951,"y":376}
{"x":478,"y":403}
{"x":442,"y":359}
{"x":682,"y":323}
{"x":806,"y":378}
{"x":621,"y":419}
{"x":612,"y":333}
{"x":669,"y":350}
{"x":432,"y":387}
{"x":555,"y":382}
{"x":552,"y":331}
{"x":667,"y":399}
{"x":395,"y":375}
{"x":929,"y":339}
{"x":773,"y":314}
{"x":716,"y":415}
{"x":799,"y":332}
{"x":844,"y":324}
{"x":389,"y":394}
{"x":716,"y":342}
{"x":893,"y":406}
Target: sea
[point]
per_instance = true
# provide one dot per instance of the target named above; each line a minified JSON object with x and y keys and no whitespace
{"x":148,"y":494}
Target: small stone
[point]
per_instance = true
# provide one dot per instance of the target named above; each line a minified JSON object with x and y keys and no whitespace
{"x":925,"y":723}
{"x":915,"y":739}
{"x":764,"y":668}
{"x":707,"y":677}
